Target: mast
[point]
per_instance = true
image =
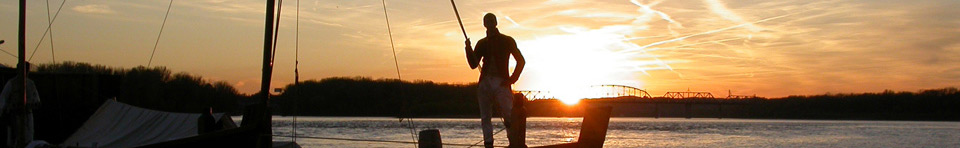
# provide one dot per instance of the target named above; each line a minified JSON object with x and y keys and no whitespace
{"x":21,"y":66}
{"x":267,"y":134}
{"x":21,"y":49}
{"x":267,"y":54}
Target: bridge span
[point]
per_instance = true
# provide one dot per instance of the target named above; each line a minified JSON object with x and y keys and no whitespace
{"x":593,"y":92}
{"x":631,"y":100}
{"x":630,"y":106}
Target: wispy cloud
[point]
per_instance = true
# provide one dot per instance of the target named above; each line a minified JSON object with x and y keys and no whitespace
{"x":238,"y":6}
{"x":719,"y":8}
{"x":94,"y":9}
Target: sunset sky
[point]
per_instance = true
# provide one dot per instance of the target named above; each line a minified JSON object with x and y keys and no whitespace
{"x":768,"y":48}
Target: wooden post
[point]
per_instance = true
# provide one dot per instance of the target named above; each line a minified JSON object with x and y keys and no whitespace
{"x":719,"y":110}
{"x":518,"y":126}
{"x":656,"y":108}
{"x":593,"y":131}
{"x":430,"y":138}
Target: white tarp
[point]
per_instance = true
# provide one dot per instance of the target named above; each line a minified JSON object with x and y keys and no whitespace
{"x":117,"y":124}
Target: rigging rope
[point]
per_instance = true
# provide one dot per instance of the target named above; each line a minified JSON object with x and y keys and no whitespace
{"x":396,"y":63}
{"x":162,"y":24}
{"x":481,"y":140}
{"x":276,"y":31}
{"x":50,"y":23}
{"x":296,"y":72}
{"x":5,"y":51}
{"x":47,"y":31}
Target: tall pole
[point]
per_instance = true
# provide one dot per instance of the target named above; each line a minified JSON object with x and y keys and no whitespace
{"x":455,"y":11}
{"x":267,"y":136}
{"x":21,"y":48}
{"x":267,"y":54}
{"x":22,"y":63}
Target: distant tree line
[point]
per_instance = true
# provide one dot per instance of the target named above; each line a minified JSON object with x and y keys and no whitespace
{"x":934,"y":104}
{"x":160,"y":89}
{"x":361,"y":96}
{"x":931,"y":104}
{"x":358,"y":96}
{"x":157,"y":87}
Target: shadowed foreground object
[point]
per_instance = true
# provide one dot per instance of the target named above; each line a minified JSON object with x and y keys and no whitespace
{"x":593,"y":131}
{"x":519,"y":121}
{"x":430,"y":139}
{"x":247,"y":135}
{"x":111,"y":126}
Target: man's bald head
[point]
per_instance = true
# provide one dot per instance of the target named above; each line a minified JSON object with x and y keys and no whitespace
{"x":490,"y":20}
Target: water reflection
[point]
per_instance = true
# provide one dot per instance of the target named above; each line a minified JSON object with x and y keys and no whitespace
{"x":642,"y":132}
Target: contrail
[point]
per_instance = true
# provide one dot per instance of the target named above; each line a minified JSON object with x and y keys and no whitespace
{"x":662,"y":15}
{"x":643,"y":37}
{"x":648,"y":10}
{"x":719,"y":8}
{"x":511,"y":21}
{"x":695,"y":44}
{"x":645,"y":48}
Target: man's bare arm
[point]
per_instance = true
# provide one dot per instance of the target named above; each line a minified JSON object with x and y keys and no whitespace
{"x":472,"y":58}
{"x":519,"y":68}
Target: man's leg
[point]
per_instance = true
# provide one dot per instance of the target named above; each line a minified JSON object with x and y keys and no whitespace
{"x":484,"y":99}
{"x":504,"y":98}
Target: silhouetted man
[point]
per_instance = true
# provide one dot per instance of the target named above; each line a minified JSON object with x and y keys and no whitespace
{"x":12,"y":105}
{"x":494,"y":86}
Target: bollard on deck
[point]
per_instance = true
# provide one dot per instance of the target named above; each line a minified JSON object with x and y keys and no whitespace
{"x":430,"y":138}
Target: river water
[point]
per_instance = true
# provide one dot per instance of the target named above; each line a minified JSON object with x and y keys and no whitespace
{"x":635,"y":132}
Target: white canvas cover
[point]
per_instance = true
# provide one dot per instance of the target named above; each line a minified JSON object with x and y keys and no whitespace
{"x":119,"y":125}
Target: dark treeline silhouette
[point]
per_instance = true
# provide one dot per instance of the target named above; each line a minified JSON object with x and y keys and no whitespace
{"x":931,"y":104}
{"x":360,"y":96}
{"x":157,"y":87}
{"x":368,"y":97}
{"x":70,"y":92}
{"x":934,"y":104}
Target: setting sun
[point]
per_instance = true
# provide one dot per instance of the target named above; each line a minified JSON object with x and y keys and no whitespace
{"x":568,"y":65}
{"x":569,"y":95}
{"x":570,"y":101}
